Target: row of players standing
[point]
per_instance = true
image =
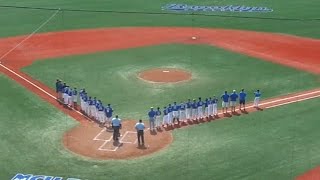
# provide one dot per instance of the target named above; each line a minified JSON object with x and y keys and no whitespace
{"x":198,"y":109}
{"x":91,"y":107}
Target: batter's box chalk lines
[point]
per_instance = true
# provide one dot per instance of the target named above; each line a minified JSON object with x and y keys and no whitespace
{"x":106,"y":141}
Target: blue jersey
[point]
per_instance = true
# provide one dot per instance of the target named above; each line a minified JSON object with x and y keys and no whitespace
{"x":169,"y":109}
{"x":65,"y":90}
{"x":100,"y":107}
{"x":182,"y":106}
{"x":165,"y":111}
{"x":206,"y":103}
{"x":242,"y":96}
{"x":70,"y":92}
{"x":158,"y":112}
{"x":74,"y":92}
{"x":188,"y":105}
{"x":200,"y":103}
{"x":210,"y":101}
{"x":257,"y":94}
{"x":175,"y":107}
{"x":194,"y":105}
{"x":151,"y":113}
{"x":214,"y":101}
{"x":234,"y":97}
{"x":108,"y":111}
{"x":225,"y":97}
{"x":84,"y":97}
{"x":90,"y":101}
{"x":98,"y":104}
{"x":94,"y":102}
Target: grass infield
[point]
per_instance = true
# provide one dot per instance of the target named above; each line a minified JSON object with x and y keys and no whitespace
{"x":112,"y":76}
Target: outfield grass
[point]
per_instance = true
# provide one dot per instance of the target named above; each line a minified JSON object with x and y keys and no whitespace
{"x":24,"y":21}
{"x":112,"y":76}
{"x":271,"y":144}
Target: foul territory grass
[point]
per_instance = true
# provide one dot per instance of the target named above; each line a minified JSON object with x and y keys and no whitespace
{"x":278,"y":143}
{"x":113,"y":76}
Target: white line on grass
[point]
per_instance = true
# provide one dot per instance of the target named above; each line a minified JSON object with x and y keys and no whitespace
{"x":30,"y":35}
{"x":292,"y":101}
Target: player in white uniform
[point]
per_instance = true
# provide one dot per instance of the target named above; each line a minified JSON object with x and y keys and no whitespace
{"x":75,"y":98}
{"x":257,"y":96}
{"x":210,"y":107}
{"x":175,"y":109}
{"x":158,"y":118}
{"x":200,"y":109}
{"x":194,"y":113}
{"x":182,"y":112}
{"x":188,"y":109}
{"x":215,"y":106}
{"x":170,"y":114}
{"x":165,"y":120}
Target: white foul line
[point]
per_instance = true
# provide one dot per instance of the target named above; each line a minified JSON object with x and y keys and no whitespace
{"x":30,"y":35}
{"x":292,"y":101}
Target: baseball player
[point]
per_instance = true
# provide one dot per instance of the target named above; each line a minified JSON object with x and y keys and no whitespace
{"x":200,"y":108}
{"x":194,"y":110}
{"x":108,"y":112}
{"x":101,"y":115}
{"x":242,"y":99}
{"x":88,"y":108}
{"x":70,"y":101}
{"x":175,"y":109}
{"x":65,"y":95}
{"x":257,"y":96}
{"x":80,"y":99}
{"x":75,"y":98}
{"x":188,"y":109}
{"x":182,"y":111}
{"x":93,"y":108}
{"x":158,"y":118}
{"x":98,"y":103}
{"x":215,"y":106}
{"x":58,"y":87}
{"x":165,"y":116}
{"x":152,"y":116}
{"x":210,"y":107}
{"x":206,"y":107}
{"x":85,"y":103}
{"x":225,"y":102}
{"x":233,"y":100}
{"x":170,"y":114}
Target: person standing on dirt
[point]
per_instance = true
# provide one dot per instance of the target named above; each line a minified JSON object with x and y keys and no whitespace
{"x":116,"y":125}
{"x":140,"y":132}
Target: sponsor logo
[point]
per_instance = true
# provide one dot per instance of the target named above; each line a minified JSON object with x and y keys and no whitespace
{"x":20,"y":176}
{"x":228,"y":8}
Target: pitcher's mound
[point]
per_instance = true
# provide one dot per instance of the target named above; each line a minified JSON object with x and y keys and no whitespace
{"x":165,"y":75}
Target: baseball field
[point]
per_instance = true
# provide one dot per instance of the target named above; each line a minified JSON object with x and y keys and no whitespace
{"x":138,"y":54}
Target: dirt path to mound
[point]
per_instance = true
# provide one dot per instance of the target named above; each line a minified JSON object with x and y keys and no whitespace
{"x":297,"y":52}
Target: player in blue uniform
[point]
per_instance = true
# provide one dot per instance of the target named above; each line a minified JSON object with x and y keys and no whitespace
{"x":152,"y":116}
{"x":194,"y":106}
{"x":90,"y":101}
{"x":85,"y":103}
{"x":75,"y":98}
{"x":165,"y":116}
{"x":206,"y":108}
{"x":158,"y":118}
{"x":101,"y":116}
{"x":242,"y":99}
{"x":170,"y":114}
{"x":58,"y":86}
{"x":210,"y":107}
{"x":200,"y":108}
{"x":188,"y":109}
{"x":182,"y":112}
{"x":70,"y":102}
{"x":175,"y":109}
{"x":215,"y":106}
{"x":66,"y":95}
{"x":108,"y":112}
{"x":257,"y":96}
{"x":233,"y":101}
{"x":225,"y":102}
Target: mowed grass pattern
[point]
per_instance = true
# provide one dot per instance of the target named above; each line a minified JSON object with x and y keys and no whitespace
{"x":113,"y":76}
{"x":278,"y":143}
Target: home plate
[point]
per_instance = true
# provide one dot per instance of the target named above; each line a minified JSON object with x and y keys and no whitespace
{"x":165,"y":71}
